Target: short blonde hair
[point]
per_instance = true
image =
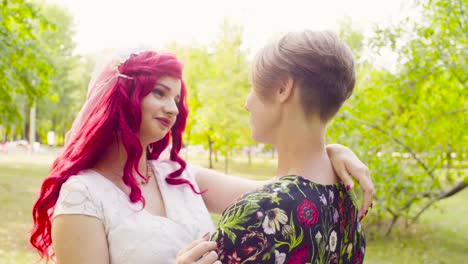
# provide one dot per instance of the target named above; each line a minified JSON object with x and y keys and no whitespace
{"x":319,"y":61}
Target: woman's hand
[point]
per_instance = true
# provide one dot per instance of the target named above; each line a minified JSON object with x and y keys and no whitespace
{"x":346,"y":163}
{"x":200,"y":251}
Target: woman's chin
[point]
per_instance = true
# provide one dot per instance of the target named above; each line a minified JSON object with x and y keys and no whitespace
{"x":156,"y":137}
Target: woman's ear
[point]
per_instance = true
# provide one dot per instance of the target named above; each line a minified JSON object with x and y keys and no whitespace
{"x":285,"y":90}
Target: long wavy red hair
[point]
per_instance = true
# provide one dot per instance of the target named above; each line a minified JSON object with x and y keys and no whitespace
{"x":116,"y":116}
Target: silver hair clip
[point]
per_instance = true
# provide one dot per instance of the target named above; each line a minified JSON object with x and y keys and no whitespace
{"x":124,"y":76}
{"x":115,"y":67}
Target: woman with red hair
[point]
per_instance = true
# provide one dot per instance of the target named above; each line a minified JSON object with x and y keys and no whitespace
{"x":110,"y":198}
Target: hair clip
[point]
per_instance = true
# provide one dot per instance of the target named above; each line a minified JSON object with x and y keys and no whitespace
{"x":124,"y":76}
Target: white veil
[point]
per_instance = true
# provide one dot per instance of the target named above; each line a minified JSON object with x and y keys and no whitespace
{"x":103,"y":78}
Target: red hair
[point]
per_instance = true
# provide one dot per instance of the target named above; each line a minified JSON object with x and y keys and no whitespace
{"x":115,"y":117}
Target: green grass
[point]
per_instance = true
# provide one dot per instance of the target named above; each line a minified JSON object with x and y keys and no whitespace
{"x":20,"y":178}
{"x":440,"y":237}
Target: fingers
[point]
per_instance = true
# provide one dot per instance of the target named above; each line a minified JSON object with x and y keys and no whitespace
{"x":362,"y":175}
{"x":201,"y":249}
{"x":346,"y":163}
{"x":344,"y":175}
{"x":209,"y":258}
{"x":368,"y":188}
{"x":200,"y":252}
{"x":205,"y":237}
{"x":190,"y":246}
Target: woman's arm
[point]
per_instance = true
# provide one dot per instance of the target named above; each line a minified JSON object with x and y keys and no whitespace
{"x":79,"y":239}
{"x":224,"y":189}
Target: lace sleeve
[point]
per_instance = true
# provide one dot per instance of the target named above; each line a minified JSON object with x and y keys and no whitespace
{"x":76,"y":198}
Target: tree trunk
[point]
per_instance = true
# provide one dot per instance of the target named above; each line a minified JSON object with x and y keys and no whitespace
{"x":32,"y":127}
{"x":249,"y":155}
{"x":458,"y":187}
{"x":226,"y":162}
{"x":2,"y":132}
{"x":210,"y":153}
{"x":13,"y":132}
{"x":394,"y":220}
{"x":54,"y":123}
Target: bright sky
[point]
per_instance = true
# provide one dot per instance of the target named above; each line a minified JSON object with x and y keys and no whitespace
{"x":101,"y":24}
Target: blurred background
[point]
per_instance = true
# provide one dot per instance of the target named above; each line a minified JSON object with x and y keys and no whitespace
{"x":407,"y":119}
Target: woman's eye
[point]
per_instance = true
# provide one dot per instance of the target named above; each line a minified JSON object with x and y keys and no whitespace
{"x":158,"y":92}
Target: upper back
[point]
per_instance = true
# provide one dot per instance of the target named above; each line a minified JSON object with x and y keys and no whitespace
{"x":292,"y":218}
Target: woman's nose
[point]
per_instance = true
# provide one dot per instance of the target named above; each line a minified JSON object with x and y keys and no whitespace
{"x":171,"y":107}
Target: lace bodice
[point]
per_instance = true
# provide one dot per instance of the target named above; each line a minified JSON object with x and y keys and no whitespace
{"x":134,"y":235}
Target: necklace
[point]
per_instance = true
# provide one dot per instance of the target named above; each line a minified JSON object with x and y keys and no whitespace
{"x":149,"y":174}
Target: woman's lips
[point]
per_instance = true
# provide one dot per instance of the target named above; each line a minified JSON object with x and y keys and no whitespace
{"x":164,"y":121}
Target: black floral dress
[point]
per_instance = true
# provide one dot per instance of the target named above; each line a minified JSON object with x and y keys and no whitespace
{"x":292,"y":221}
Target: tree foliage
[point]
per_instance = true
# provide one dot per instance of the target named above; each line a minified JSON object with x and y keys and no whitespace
{"x":36,"y":57}
{"x":68,"y":83}
{"x":406,"y":122}
{"x":23,"y":64}
{"x":217,"y":77}
{"x":409,"y":125}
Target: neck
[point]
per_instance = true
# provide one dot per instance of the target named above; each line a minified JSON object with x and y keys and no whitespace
{"x":113,"y":162}
{"x":301,"y":151}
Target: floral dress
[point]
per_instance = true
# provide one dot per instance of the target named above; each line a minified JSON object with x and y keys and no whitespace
{"x":291,"y":221}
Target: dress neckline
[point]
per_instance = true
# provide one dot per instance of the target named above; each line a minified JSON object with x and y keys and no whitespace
{"x":304,"y":179}
{"x":143,"y":210}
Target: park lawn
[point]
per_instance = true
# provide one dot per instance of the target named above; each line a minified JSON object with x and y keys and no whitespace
{"x":19,"y":185}
{"x":440,"y":237}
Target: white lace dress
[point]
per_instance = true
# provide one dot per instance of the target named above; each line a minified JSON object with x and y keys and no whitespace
{"x":135,"y":235}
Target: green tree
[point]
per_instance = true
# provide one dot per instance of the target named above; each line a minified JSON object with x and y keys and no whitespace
{"x":197,"y":72}
{"x":409,"y":125}
{"x":24,"y":67}
{"x":217,"y":78}
{"x":68,"y":83}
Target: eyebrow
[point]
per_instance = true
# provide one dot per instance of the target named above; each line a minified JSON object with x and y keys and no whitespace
{"x":163,"y":85}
